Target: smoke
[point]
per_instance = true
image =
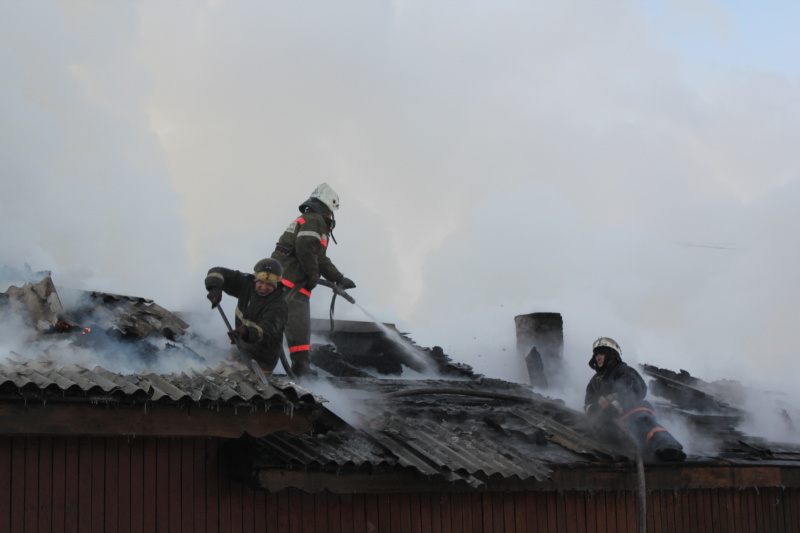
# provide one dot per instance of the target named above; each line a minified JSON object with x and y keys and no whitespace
{"x":633,"y":167}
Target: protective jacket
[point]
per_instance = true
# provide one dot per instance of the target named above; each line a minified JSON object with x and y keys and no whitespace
{"x":302,"y":250}
{"x":264,"y":316}
{"x":614,"y":378}
{"x":617,"y":391}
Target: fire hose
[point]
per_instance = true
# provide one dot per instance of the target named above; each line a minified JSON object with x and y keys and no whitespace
{"x":335,"y":287}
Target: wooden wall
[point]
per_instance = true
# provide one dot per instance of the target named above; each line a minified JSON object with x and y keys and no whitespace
{"x":176,"y":485}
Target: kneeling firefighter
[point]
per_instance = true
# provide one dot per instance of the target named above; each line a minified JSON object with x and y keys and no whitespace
{"x":261,"y":311}
{"x":616,"y":394}
{"x":302,"y":250}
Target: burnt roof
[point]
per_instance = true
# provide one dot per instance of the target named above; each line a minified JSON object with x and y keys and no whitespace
{"x":44,"y":380}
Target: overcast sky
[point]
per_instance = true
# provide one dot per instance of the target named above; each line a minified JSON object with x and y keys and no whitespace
{"x":633,"y":165}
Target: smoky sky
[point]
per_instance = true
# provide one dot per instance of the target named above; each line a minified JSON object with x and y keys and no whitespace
{"x":631,"y":165}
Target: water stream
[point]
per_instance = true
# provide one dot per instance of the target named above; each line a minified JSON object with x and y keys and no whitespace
{"x":392,"y":334}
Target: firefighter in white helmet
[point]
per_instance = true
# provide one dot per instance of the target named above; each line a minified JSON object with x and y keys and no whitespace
{"x":617,"y":392}
{"x":302,"y":250}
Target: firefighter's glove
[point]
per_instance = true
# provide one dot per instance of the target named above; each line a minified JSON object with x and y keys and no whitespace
{"x":610,"y":404}
{"x":311,"y":283}
{"x":347,"y":283}
{"x":238,"y":333}
{"x":215,"y":297}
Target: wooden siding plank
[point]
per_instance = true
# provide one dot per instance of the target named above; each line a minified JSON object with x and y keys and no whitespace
{"x":488,"y":515}
{"x":59,"y":490}
{"x":175,"y":493}
{"x":425,"y":515}
{"x":768,"y":504}
{"x":442,"y":512}
{"x":414,"y":511}
{"x":611,"y":513}
{"x":45,"y":484}
{"x":72,"y":477}
{"x":30,"y":488}
{"x":725,"y":518}
{"x":137,"y":454}
{"x":738,"y":515}
{"x":552,"y":511}
{"x":16,"y":510}
{"x":632,"y":510}
{"x":315,"y":510}
{"x":85,"y":484}
{"x":150,"y":483}
{"x":568,"y":502}
{"x":530,"y":511}
{"x":347,"y":519}
{"x":199,"y":486}
{"x":713,"y":503}
{"x":235,"y":522}
{"x":359,"y":513}
{"x":248,"y":505}
{"x":544,"y":511}
{"x":591,"y":512}
{"x":520,"y":517}
{"x":187,"y":482}
{"x":5,"y":483}
{"x":650,"y":519}
{"x":295,"y":511}
{"x":401,"y":512}
{"x":282,"y":508}
{"x":508,"y":512}
{"x":475,"y":514}
{"x":163,"y":490}
{"x":111,"y":481}
{"x":124,"y":487}
{"x":260,"y":511}
{"x":224,"y":490}
{"x":371,"y":515}
{"x":334,"y":514}
{"x":98,"y":483}
{"x":685,"y":505}
{"x":602,"y":515}
{"x":621,"y":510}
{"x":271,"y":513}
{"x":498,"y":512}
{"x":456,"y":514}
{"x":792,"y":518}
{"x":750,"y":496}
{"x":384,"y":513}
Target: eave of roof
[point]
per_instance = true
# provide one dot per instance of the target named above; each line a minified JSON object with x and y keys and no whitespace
{"x":44,"y":397}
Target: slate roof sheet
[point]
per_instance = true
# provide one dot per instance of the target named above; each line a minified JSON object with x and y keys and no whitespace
{"x":48,"y":380}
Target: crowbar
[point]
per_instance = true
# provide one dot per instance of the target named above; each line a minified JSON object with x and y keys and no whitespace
{"x":248,"y":362}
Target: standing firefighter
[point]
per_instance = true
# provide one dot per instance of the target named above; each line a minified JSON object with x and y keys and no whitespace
{"x":302,"y":252}
{"x":615,"y":394}
{"x":261,"y":311}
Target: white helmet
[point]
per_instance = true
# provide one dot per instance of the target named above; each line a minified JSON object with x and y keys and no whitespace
{"x":607,"y":342}
{"x":327,"y":196}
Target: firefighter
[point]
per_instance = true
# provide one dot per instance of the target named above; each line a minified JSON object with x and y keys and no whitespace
{"x":301,"y":250}
{"x":261,"y":311}
{"x":616,"y":393}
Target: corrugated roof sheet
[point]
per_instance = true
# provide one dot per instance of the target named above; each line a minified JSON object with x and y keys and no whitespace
{"x":50,"y":380}
{"x":456,"y":430}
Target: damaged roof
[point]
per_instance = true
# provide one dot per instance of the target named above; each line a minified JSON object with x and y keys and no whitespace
{"x":45,"y":380}
{"x":470,"y":430}
{"x":459,"y":429}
